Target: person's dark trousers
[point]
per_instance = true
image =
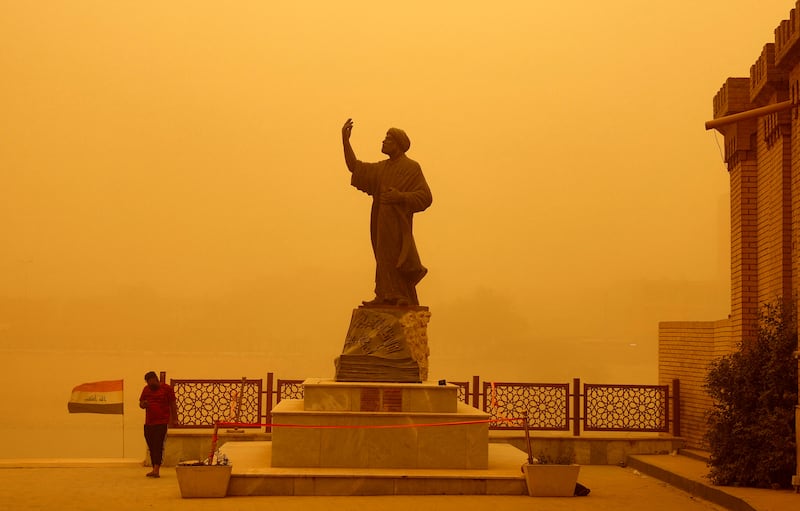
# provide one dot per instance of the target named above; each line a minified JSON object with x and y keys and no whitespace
{"x":154,"y":435}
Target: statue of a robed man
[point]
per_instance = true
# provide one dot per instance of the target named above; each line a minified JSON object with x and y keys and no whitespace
{"x":398,"y":190}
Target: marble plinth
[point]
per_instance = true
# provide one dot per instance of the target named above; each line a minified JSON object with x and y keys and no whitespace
{"x":328,"y":395}
{"x":370,"y":440}
{"x":253,"y":475}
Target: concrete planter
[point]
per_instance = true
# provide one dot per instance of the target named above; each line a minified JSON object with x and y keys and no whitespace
{"x":546,"y":480}
{"x":203,"y":481}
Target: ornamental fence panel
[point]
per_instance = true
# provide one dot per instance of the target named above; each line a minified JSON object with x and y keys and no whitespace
{"x":626,"y":408}
{"x":289,"y":389}
{"x":548,"y":406}
{"x":203,"y":403}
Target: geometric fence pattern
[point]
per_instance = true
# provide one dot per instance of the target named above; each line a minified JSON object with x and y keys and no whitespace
{"x":545,"y":404}
{"x":626,"y":408}
{"x":548,"y":406}
{"x":201,"y":403}
{"x":289,"y":389}
{"x":463,"y":390}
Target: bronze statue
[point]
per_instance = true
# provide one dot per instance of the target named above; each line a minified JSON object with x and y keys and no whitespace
{"x":398,"y":190}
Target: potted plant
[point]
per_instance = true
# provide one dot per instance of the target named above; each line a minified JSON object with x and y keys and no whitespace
{"x":206,"y":478}
{"x":550,"y":478}
{"x":556,"y":479}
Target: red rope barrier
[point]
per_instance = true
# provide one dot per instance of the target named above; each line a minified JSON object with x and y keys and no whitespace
{"x":381,"y":426}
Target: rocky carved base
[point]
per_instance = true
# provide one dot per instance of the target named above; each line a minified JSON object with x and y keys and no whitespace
{"x":385,"y":344}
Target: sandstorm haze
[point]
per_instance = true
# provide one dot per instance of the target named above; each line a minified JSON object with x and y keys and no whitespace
{"x":173,"y":194}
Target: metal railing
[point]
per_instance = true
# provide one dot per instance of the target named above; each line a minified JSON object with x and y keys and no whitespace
{"x":626,"y":408}
{"x":545,"y":404}
{"x":201,"y":403}
{"x":548,"y":406}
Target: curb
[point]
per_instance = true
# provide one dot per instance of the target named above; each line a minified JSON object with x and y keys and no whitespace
{"x":69,"y":462}
{"x":696,"y":488}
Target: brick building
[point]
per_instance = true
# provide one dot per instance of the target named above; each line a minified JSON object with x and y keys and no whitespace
{"x":759,"y":117}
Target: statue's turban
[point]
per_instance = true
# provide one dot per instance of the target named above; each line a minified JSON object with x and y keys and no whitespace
{"x":401,"y":138}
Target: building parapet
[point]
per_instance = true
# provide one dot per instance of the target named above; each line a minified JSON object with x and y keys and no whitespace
{"x":733,"y":97}
{"x":787,"y":39}
{"x":765,"y":77}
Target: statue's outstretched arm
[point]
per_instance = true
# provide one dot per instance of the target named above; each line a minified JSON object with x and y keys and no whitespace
{"x":349,"y":154}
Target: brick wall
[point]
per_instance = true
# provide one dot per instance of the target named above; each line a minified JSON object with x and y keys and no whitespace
{"x":773,"y":207}
{"x":744,"y":247}
{"x":685,"y":350}
{"x":794,"y":171}
{"x":763,"y":160}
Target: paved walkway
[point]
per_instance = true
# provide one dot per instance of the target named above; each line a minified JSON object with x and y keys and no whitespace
{"x":88,"y":485}
{"x":689,"y":474}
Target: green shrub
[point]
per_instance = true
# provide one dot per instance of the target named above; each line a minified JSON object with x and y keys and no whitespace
{"x":751,"y":425}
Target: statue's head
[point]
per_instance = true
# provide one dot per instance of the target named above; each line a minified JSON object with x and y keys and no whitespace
{"x":396,"y":142}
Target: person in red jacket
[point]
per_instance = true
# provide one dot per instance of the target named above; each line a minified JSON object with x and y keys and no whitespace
{"x":158,"y":401}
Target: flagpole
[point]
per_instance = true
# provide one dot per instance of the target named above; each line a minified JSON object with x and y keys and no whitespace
{"x":123,"y":418}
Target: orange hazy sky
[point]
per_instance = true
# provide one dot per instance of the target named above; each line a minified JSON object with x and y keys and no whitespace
{"x":171,"y":173}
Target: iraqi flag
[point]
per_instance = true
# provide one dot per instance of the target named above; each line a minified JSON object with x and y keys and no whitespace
{"x":97,"y":397}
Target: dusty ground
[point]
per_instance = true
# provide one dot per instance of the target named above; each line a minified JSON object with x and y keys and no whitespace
{"x":126,"y":488}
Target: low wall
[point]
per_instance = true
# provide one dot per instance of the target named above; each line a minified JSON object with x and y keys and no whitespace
{"x":594,"y":451}
{"x":183,"y":445}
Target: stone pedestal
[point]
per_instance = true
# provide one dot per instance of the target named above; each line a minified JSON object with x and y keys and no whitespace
{"x":385,"y":344}
{"x":331,"y":396}
{"x":356,"y":425}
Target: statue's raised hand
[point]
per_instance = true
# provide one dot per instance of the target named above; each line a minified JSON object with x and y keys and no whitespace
{"x":347,"y":129}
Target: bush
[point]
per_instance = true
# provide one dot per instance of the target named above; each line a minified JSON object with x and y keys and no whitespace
{"x":751,"y":426}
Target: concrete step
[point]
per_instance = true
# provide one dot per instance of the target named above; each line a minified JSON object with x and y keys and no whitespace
{"x":253,"y":475}
{"x":696,"y":454}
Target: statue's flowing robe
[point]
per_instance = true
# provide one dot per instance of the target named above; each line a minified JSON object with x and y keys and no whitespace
{"x":398,"y":267}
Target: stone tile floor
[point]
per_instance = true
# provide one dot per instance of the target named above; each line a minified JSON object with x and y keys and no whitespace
{"x":88,"y":485}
